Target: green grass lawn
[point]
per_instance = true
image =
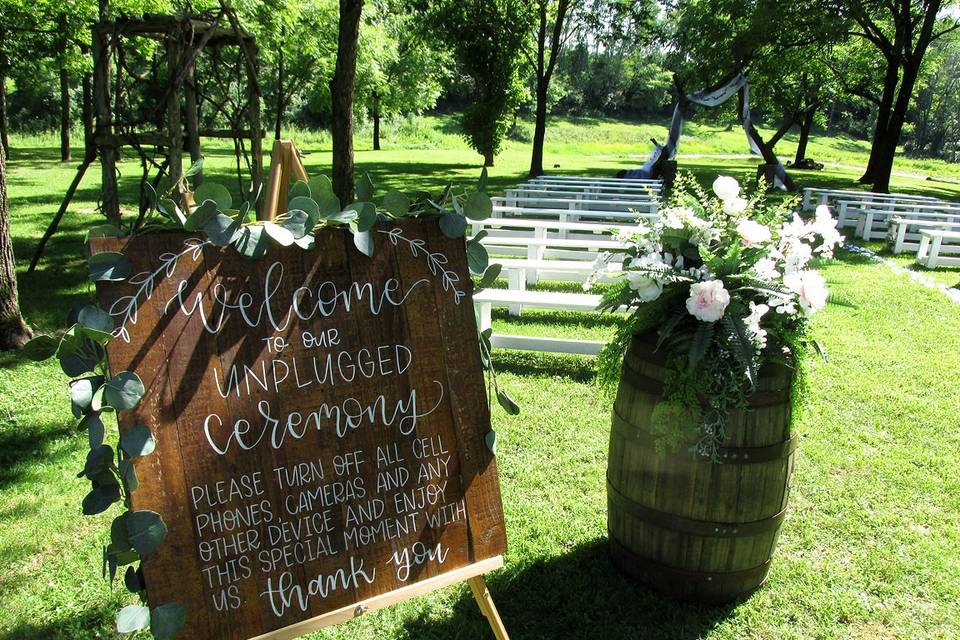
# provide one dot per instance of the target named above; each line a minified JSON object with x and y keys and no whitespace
{"x":871,"y":545}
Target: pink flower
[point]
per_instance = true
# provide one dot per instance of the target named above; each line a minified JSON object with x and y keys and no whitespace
{"x":811,"y":290}
{"x":708,"y":300}
{"x":753,"y":232}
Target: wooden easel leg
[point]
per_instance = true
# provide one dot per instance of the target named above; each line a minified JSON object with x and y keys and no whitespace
{"x":489,"y":610}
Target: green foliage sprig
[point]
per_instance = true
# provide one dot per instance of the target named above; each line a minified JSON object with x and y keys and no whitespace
{"x":95,"y":390}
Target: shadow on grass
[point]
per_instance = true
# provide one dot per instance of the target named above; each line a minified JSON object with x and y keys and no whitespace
{"x":22,"y":446}
{"x":577,"y":595}
{"x":84,"y":625}
{"x":531,"y":363}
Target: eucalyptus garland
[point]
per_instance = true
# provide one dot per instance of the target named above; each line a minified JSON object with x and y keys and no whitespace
{"x":95,"y":390}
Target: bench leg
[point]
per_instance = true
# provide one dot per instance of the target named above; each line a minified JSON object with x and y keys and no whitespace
{"x":517,"y":280}
{"x":934,"y":252}
{"x":923,"y":248}
{"x":901,"y":238}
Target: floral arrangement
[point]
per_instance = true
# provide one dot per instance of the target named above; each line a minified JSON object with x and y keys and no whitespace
{"x":723,"y":284}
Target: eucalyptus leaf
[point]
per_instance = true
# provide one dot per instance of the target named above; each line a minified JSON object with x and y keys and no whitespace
{"x":364,"y":188}
{"x":166,"y":620}
{"x":221,"y":229}
{"x":321,"y":187}
{"x":366,"y":215}
{"x":477,"y":257}
{"x":151,"y":195}
{"x":490,"y":275}
{"x":505,"y":401}
{"x":200,"y":216}
{"x":306,"y":242}
{"x":478,"y":206}
{"x":195,"y":168}
{"x":40,"y":348}
{"x":129,"y":475}
{"x":172,"y":210}
{"x":491,"y":441}
{"x":133,"y":580}
{"x":297,"y":222}
{"x":215,"y":192}
{"x":146,"y":531}
{"x":81,"y":393}
{"x":242,"y":212}
{"x":93,"y":317}
{"x":119,"y":538}
{"x":97,"y":403}
{"x":329,"y":206}
{"x":93,"y":425}
{"x":309,"y":207}
{"x":109,"y":266}
{"x":100,"y":499}
{"x":123,"y":391}
{"x":280,"y":235}
{"x":105,"y":231}
{"x":453,"y":225}
{"x":300,"y":189}
{"x":251,"y":242}
{"x":138,"y":441}
{"x":74,"y":364}
{"x":132,"y":618}
{"x":397,"y":203}
{"x":363,"y":241}
{"x":98,"y":459}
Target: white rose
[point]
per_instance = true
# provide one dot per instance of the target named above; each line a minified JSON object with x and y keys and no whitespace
{"x":726,"y":188}
{"x":811,"y":290}
{"x":735,"y":206}
{"x":708,"y":300}
{"x":752,"y":232}
{"x":646,"y":287}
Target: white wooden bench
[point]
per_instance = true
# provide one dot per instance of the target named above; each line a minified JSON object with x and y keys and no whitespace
{"x":644,"y":205}
{"x":873,"y":224}
{"x":932,"y":247}
{"x":559,"y":248}
{"x":566,"y":214}
{"x":813,"y":196}
{"x":849,"y":212}
{"x":540,"y":228}
{"x":521,"y":272}
{"x":902,"y":237}
{"x":593,"y":188}
{"x":485,"y":300}
{"x":569,"y":194}
{"x":597,"y":180}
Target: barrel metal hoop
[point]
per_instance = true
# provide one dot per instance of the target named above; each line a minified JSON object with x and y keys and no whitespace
{"x":758,"y":400}
{"x":669,"y":574}
{"x":692,"y":526}
{"x":738,"y":455}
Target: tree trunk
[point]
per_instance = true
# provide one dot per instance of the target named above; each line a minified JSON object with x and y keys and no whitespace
{"x":883,"y":165}
{"x":4,"y":125}
{"x":14,"y":332}
{"x":488,"y":158}
{"x":376,"y":121}
{"x":805,"y":125}
{"x":64,"y":115}
{"x":883,"y":118}
{"x":86,"y":108}
{"x":341,"y":96}
{"x":539,"y":132}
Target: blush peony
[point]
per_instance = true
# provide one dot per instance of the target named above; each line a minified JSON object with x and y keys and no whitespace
{"x":811,"y":290}
{"x":753,"y":233}
{"x":708,"y":300}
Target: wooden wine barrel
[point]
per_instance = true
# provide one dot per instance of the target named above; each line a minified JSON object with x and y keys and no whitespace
{"x":689,"y":528}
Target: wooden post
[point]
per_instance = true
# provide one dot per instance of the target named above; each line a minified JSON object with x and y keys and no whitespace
{"x":256,"y":127}
{"x":109,"y":200}
{"x":174,"y":126}
{"x":192,"y":120}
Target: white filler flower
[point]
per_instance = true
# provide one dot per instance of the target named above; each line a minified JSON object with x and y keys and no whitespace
{"x":753,"y":233}
{"x":708,"y":300}
{"x":646,"y":287}
{"x":735,"y":206}
{"x":726,"y":188}
{"x":811,"y":290}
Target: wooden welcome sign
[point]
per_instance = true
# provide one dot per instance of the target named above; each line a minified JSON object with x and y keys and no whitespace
{"x":320,"y":418}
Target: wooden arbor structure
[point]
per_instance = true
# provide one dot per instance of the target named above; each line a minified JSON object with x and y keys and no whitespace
{"x":155,"y":108}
